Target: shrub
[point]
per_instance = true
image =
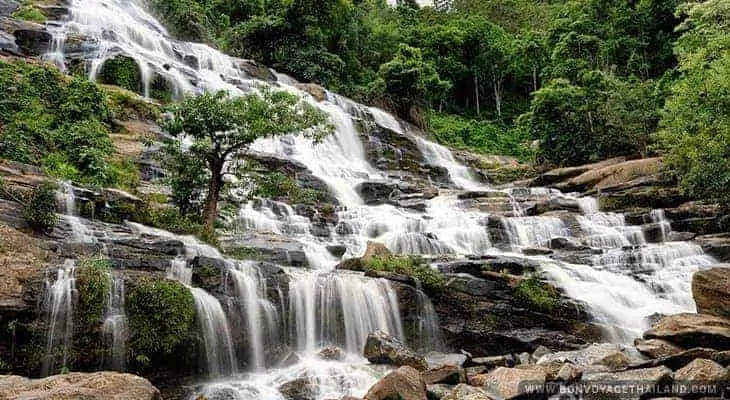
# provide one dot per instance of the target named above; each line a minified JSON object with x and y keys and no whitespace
{"x":537,"y":293}
{"x":123,"y":72}
{"x":278,"y":185}
{"x":40,"y":208}
{"x":93,"y":283}
{"x":431,"y":279}
{"x":30,"y":13}
{"x":161,"y":316}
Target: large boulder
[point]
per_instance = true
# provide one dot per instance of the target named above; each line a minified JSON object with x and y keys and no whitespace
{"x":702,"y":370}
{"x":656,"y":348}
{"x":381,"y":348}
{"x":691,"y":330}
{"x":511,"y":383}
{"x":405,"y":383}
{"x":466,"y":392}
{"x":77,"y":385}
{"x":593,"y":354}
{"x":449,"y":374}
{"x":711,"y":291}
{"x":649,"y":378}
{"x":299,"y":389}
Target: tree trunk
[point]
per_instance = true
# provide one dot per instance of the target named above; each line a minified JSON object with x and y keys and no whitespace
{"x":498,"y":98}
{"x":476,"y":92}
{"x":210,"y":213}
{"x":534,"y":77}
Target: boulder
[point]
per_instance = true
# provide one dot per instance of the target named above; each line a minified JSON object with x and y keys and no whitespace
{"x":569,"y":373}
{"x":375,"y":249}
{"x":649,"y":378}
{"x":592,"y":354}
{"x":679,"y":360}
{"x":566,"y":244}
{"x":381,"y":348}
{"x":405,"y":383}
{"x":337,"y":250}
{"x":299,"y":389}
{"x":510,"y":383}
{"x":318,"y":92}
{"x":7,"y":7}
{"x":435,"y":359}
{"x":77,"y":385}
{"x":615,"y":361}
{"x":711,"y":291}
{"x":656,"y":348}
{"x":331,"y":353}
{"x":550,"y":369}
{"x":540,"y":351}
{"x":466,"y":392}
{"x":717,"y":246}
{"x":448,"y":374}
{"x":689,"y":330}
{"x":492,"y":362}
{"x":438,"y":391}
{"x":702,"y":370}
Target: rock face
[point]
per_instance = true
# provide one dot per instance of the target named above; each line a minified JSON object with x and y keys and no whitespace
{"x":509,"y":383}
{"x":92,"y":386}
{"x":701,"y":370}
{"x":711,"y":291}
{"x":381,"y":348}
{"x":687,"y":330}
{"x":405,"y":383}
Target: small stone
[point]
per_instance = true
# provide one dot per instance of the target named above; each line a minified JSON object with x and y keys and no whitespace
{"x":569,"y":373}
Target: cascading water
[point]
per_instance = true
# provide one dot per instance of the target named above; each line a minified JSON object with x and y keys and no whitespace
{"x":630,"y":279}
{"x":57,"y":306}
{"x":115,"y":325}
{"x":67,"y":201}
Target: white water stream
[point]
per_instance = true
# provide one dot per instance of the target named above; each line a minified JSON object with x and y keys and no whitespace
{"x":624,"y":284}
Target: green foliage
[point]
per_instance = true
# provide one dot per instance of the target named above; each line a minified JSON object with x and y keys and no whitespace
{"x":93,"y":281}
{"x":30,"y":13}
{"x":482,"y":136}
{"x":57,"y":123}
{"x":431,"y":279}
{"x":125,"y":105}
{"x":123,"y":72}
{"x":244,"y":253}
{"x":40,"y":208}
{"x":161,"y":315}
{"x":695,"y":125}
{"x":537,"y":293}
{"x":222,"y":126}
{"x":277,"y":185}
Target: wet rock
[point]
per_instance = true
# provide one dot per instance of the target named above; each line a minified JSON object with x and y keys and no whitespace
{"x":509,"y":383}
{"x":375,"y":249}
{"x":466,"y":392}
{"x":318,"y":92}
{"x":337,"y":250}
{"x":268,"y":247}
{"x":7,"y":7}
{"x":256,"y":70}
{"x":648,"y":377}
{"x":717,"y":246}
{"x":566,"y":244}
{"x":381,"y":348}
{"x":656,"y":348}
{"x":702,"y":370}
{"x":541,"y":351}
{"x":592,"y":354}
{"x":438,"y":391}
{"x":569,"y":373}
{"x":492,"y":362}
{"x":711,"y":291}
{"x":674,"y":236}
{"x":679,"y":360}
{"x":405,"y":383}
{"x":536,"y":251}
{"x":689,"y":330}
{"x":351,"y":264}
{"x":331,"y":353}
{"x":319,"y":229}
{"x":435,"y":359}
{"x":77,"y":385}
{"x":615,"y":361}
{"x":31,"y":38}
{"x":299,"y":389}
{"x":448,"y":374}
{"x":469,"y":285}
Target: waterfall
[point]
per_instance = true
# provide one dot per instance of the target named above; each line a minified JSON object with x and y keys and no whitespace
{"x":58,"y":300}
{"x":115,"y":325}
{"x":260,"y":314}
{"x":624,"y":278}
{"x":219,"y":354}
{"x":67,"y":200}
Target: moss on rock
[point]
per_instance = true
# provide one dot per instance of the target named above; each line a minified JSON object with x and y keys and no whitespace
{"x":122,"y":71}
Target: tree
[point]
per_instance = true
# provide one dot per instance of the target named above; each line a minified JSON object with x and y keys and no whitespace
{"x":222,"y":127}
{"x":409,"y":83}
{"x":695,"y":126}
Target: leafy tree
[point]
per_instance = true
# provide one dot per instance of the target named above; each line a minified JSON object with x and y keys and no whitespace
{"x":695,"y":124}
{"x":409,"y":83}
{"x":223,"y":127}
